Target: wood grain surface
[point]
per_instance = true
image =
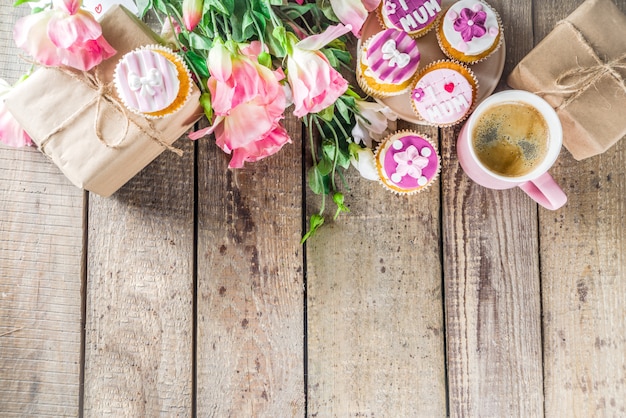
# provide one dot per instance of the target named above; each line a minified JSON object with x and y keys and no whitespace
{"x":139,"y":313}
{"x":375,"y":313}
{"x":188,"y":294}
{"x":492,"y":277}
{"x":41,"y":250}
{"x":583,"y":264}
{"x":250,"y":284}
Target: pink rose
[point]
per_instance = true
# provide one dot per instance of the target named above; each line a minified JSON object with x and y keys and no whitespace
{"x":63,"y":35}
{"x":314,"y":82}
{"x":248,"y":102}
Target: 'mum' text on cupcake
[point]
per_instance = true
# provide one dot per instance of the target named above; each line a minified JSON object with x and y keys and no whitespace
{"x":416,"y":20}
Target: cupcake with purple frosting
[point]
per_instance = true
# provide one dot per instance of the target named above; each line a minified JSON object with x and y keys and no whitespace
{"x":407,"y":162}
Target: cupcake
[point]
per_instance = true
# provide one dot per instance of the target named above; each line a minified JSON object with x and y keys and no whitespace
{"x":469,"y":31}
{"x":444,"y":93}
{"x":388,"y":62}
{"x":416,"y":17}
{"x":152,"y":81}
{"x":407,"y":162}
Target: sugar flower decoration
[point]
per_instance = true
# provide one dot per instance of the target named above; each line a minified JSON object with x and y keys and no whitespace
{"x":410,"y":162}
{"x":418,"y":94}
{"x":390,"y":8}
{"x":471,"y":24}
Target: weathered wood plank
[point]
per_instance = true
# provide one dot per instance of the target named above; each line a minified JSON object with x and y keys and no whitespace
{"x":375,"y":319}
{"x":41,"y":235}
{"x":250,"y":284}
{"x":491,"y":270}
{"x":139,"y":325}
{"x":583,"y":264}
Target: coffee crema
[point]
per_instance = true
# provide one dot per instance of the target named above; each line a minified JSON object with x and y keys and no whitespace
{"x":511,"y":138}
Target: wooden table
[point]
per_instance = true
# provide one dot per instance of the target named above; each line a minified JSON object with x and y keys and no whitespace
{"x":187,"y":292}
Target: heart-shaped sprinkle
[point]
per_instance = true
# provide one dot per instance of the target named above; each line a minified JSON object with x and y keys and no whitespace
{"x":98,"y":8}
{"x":449,"y":87}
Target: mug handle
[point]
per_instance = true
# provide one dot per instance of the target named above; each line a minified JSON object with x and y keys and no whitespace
{"x":545,"y":191}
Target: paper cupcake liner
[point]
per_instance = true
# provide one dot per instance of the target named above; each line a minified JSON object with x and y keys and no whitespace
{"x":456,"y":55}
{"x":184,"y":76}
{"x":453,"y":65}
{"x":414,"y":35}
{"x":382,"y":178}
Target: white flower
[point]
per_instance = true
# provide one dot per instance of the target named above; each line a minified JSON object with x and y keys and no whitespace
{"x":365,"y":163}
{"x":372,"y":122}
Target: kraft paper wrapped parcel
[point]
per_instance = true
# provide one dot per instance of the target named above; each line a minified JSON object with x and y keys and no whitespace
{"x":95,"y":142}
{"x":580,"y":69}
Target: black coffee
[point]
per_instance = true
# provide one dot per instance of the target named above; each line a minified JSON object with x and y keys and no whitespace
{"x":511,"y":139}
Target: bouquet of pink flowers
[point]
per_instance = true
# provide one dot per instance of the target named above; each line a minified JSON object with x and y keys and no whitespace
{"x":253,"y":60}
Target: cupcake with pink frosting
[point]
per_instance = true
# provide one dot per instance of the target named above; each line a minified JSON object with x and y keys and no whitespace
{"x":444,"y":93}
{"x":152,"y":81}
{"x":387,"y":64}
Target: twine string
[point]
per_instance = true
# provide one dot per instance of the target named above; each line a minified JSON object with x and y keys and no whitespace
{"x":103,"y":93}
{"x":576,"y":81}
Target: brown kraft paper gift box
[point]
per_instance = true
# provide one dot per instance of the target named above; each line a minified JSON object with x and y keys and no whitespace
{"x":62,"y":111}
{"x":580,"y":69}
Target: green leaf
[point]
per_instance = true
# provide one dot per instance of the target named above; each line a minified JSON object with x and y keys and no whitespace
{"x":315,"y":222}
{"x":262,"y":8}
{"x":160,"y":6}
{"x":199,"y":42}
{"x":325,"y":166}
{"x":198,"y":63}
{"x":225,"y":7}
{"x":277,"y":43}
{"x":329,"y":149}
{"x":343,"y":110}
{"x":327,"y":114}
{"x":143,"y":6}
{"x":20,"y":2}
{"x":316,"y":180}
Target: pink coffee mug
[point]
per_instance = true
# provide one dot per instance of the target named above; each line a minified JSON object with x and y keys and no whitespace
{"x":537,"y":183}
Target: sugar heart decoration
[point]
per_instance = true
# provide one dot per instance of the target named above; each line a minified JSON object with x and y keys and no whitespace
{"x":98,"y":8}
{"x":449,"y":87}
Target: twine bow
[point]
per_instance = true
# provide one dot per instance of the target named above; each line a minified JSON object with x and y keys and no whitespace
{"x":582,"y":78}
{"x":103,"y":93}
{"x":395,"y":57}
